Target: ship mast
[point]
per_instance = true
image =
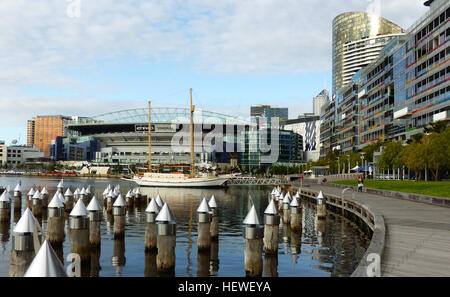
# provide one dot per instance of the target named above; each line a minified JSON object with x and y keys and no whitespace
{"x":192,"y":137}
{"x":149,"y":140}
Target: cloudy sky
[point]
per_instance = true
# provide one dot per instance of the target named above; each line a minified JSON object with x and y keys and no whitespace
{"x":119,"y":54}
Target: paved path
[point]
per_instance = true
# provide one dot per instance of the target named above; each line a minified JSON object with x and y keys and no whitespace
{"x":417,"y":234}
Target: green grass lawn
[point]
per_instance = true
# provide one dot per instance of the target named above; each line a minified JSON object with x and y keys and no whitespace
{"x":441,"y":189}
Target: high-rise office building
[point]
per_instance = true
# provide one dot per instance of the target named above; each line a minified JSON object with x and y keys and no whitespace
{"x":30,"y":133}
{"x":319,"y":102}
{"x":357,"y":39}
{"x":46,"y":129}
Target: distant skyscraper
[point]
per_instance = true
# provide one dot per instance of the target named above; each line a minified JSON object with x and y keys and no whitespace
{"x":43,"y":129}
{"x":320,"y":101}
{"x":357,"y":39}
{"x":30,"y":133}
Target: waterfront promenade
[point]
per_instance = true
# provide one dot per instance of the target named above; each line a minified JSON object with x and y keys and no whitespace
{"x":417,"y":241}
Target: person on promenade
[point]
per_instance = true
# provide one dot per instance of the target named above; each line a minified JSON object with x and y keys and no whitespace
{"x":360,"y":183}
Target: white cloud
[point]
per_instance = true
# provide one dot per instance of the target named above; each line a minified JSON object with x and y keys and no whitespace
{"x":39,"y":41}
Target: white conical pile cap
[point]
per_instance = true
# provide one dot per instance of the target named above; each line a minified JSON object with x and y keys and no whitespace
{"x":82,"y":192}
{"x":116,"y":191}
{"x":60,"y":185}
{"x":252,"y":217}
{"x":26,"y":223}
{"x":294,"y":202}
{"x":5,"y":197}
{"x":288,"y":195}
{"x":18,"y":188}
{"x":56,"y":202}
{"x":159,"y":201}
{"x":88,"y":190}
{"x":46,"y":263}
{"x":281,"y":196}
{"x":68,"y":192}
{"x":286,"y":199}
{"x":320,"y":195}
{"x":204,"y":207}
{"x":105,"y":192}
{"x":44,"y":191}
{"x":76,"y":192}
{"x":37,"y":195}
{"x":109,"y":187}
{"x":110,"y":193}
{"x":79,"y":210}
{"x":271,"y":209}
{"x":94,"y":205}
{"x":31,"y":192}
{"x":274,"y":191}
{"x":120,"y":201}
{"x":212,"y":202}
{"x":61,"y":198}
{"x":138,"y":191}
{"x":165,"y":214}
{"x":129,"y":194}
{"x":153,"y":207}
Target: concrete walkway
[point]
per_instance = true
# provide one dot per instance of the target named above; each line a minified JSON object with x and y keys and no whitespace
{"x":417,"y":234}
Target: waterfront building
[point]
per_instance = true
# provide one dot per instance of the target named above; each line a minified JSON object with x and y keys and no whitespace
{"x":30,"y":133}
{"x":288,"y":151}
{"x":123,"y":136}
{"x":357,"y":39}
{"x":74,"y":149}
{"x":400,"y":92}
{"x":422,"y":72}
{"x":14,"y":155}
{"x":327,"y":127}
{"x":43,"y":129}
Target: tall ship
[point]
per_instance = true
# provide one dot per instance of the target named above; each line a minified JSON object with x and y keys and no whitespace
{"x":177,"y":179}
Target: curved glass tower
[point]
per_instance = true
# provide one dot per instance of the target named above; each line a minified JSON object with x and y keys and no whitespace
{"x":357,"y":39}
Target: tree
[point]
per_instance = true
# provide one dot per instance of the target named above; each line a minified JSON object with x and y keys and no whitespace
{"x":391,"y":157}
{"x":413,"y":157}
{"x":439,"y":151}
{"x":370,"y":149}
{"x":436,"y":127}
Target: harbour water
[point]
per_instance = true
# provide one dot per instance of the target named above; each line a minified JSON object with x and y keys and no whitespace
{"x":327,"y":248}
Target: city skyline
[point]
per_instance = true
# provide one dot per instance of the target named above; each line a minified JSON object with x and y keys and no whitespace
{"x":86,"y":66}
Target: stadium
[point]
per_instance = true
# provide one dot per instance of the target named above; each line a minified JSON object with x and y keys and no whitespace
{"x":121,"y":137}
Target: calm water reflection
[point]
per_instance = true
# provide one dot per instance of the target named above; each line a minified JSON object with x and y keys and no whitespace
{"x":332,"y":247}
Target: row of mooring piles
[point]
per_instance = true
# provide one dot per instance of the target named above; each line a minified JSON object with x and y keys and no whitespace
{"x":256,"y":237}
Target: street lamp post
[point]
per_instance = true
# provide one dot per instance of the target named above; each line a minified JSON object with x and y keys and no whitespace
{"x":362,"y":164}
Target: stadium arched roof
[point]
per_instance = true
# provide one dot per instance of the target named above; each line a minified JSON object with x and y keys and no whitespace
{"x":161,"y":115}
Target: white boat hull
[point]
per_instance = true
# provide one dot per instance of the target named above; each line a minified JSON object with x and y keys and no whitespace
{"x":196,"y":182}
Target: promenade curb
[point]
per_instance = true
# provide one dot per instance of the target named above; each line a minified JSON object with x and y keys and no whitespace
{"x":377,"y":242}
{"x":432,"y":200}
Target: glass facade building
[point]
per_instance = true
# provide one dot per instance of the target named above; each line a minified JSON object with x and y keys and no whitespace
{"x":402,"y":91}
{"x":357,"y":39}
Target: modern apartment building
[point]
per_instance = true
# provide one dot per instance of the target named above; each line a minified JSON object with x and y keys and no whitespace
{"x":403,"y":90}
{"x":357,"y":39}
{"x":422,"y":78}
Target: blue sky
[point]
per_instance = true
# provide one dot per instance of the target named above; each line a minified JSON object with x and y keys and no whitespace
{"x":119,"y":54}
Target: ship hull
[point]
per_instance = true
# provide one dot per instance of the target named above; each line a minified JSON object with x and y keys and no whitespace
{"x":181,"y":183}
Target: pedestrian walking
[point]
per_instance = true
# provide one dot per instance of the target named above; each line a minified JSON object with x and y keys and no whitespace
{"x":360,"y":183}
